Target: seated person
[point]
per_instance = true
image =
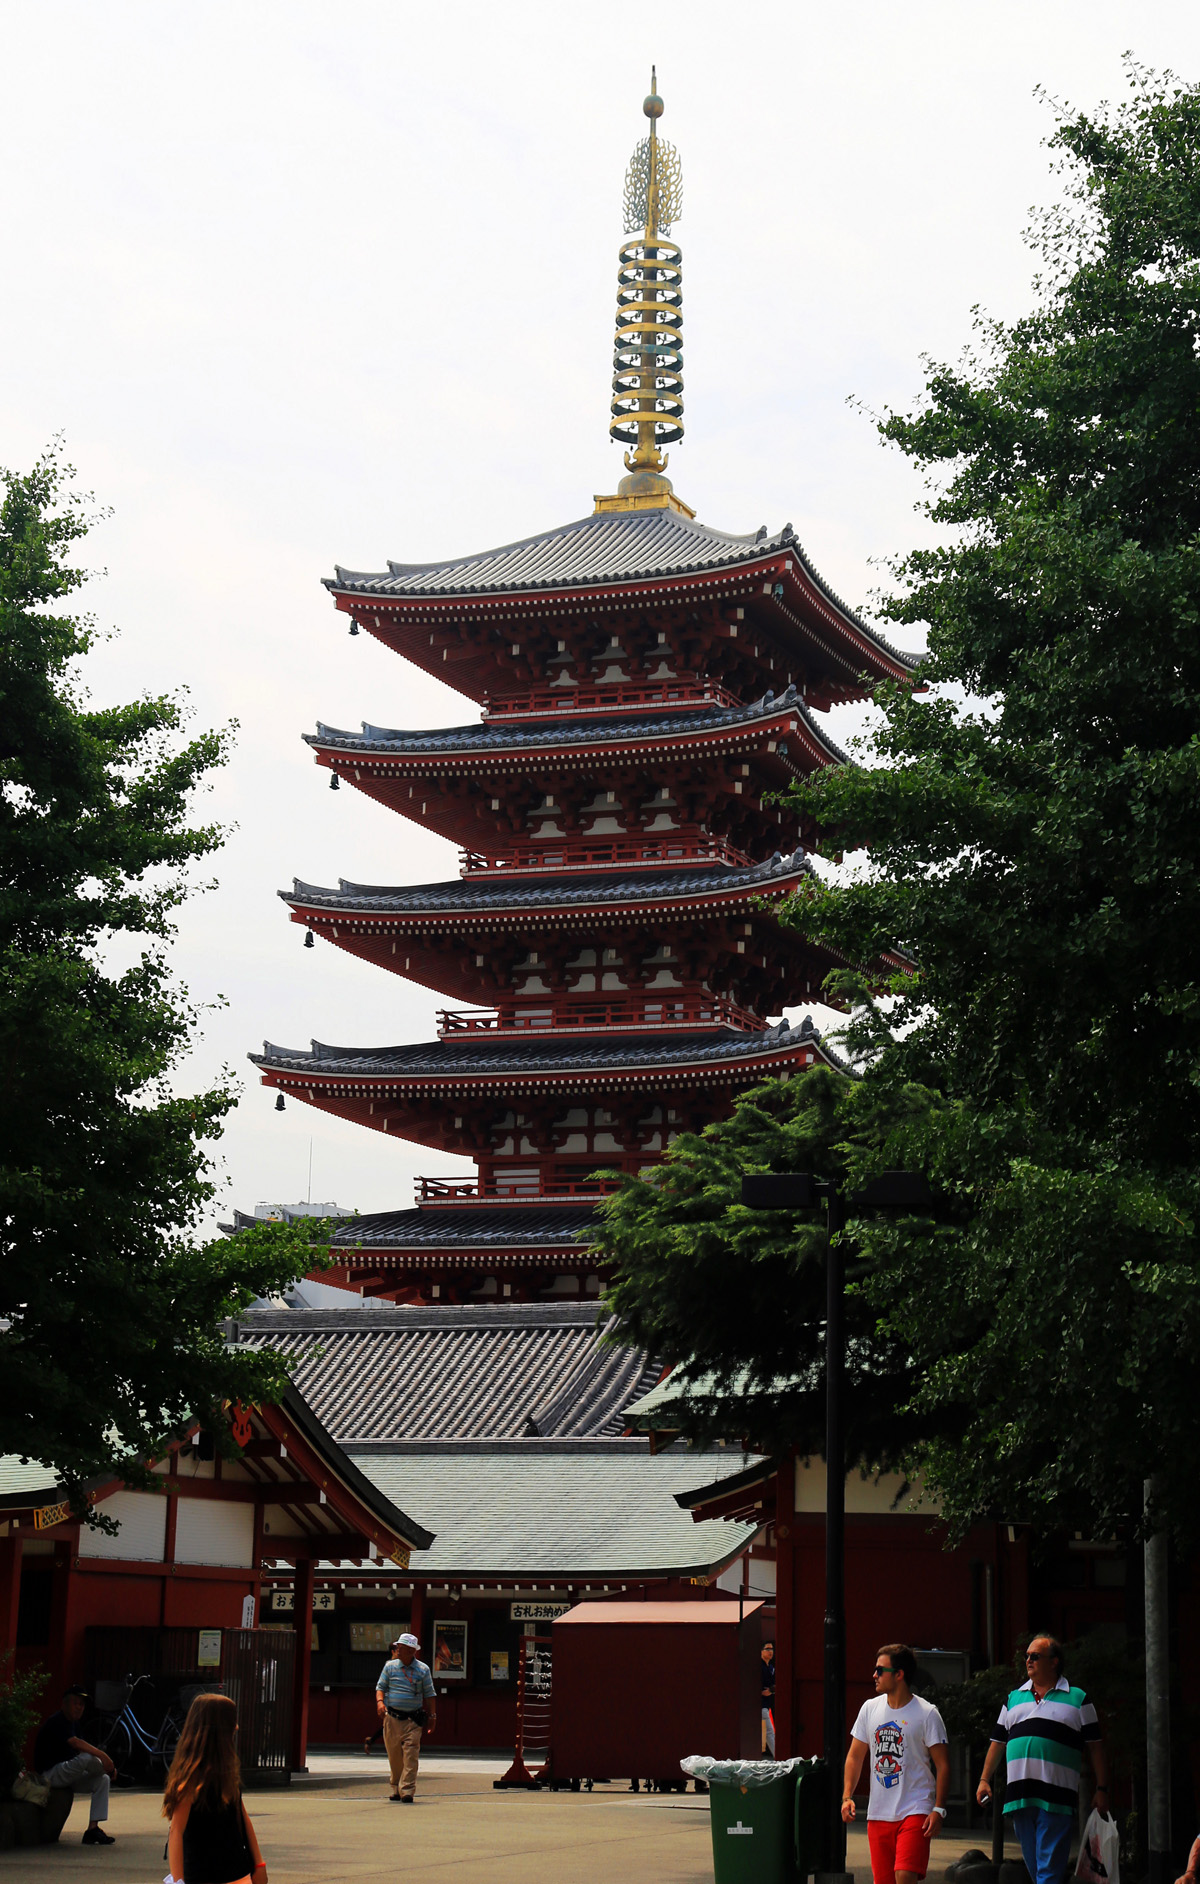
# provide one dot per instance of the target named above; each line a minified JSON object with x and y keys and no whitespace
{"x":64,"y":1758}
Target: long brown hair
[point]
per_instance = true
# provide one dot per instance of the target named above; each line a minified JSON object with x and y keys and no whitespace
{"x":205,"y":1768}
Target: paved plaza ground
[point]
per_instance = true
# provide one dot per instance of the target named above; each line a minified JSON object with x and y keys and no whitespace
{"x":336,"y":1824}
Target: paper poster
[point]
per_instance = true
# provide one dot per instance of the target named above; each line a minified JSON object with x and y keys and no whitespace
{"x":450,"y":1651}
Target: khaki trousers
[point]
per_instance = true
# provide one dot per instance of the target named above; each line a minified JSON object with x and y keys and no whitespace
{"x":402,"y":1739}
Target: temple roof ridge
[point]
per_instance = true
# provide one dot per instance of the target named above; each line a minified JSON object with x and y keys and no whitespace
{"x":599,"y":886}
{"x":447,"y":1059}
{"x":513,"y":735}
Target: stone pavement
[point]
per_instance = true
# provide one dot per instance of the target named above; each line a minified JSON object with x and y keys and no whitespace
{"x":335,"y":1826}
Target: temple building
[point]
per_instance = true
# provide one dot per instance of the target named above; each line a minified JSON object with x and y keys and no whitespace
{"x":647,"y":686}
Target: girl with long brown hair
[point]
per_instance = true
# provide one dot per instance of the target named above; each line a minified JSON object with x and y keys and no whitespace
{"x":211,"y":1840}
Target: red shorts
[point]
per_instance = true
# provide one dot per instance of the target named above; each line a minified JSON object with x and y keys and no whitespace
{"x":897,"y":1845}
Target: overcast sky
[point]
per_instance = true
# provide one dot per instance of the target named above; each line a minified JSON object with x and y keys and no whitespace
{"x":303,"y":283}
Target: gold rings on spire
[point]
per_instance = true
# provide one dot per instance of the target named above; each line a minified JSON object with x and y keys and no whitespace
{"x":647,"y":401}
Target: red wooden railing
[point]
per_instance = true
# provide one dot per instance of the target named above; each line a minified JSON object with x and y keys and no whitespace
{"x":516,"y":1191}
{"x":666,"y":1010}
{"x":558,"y":853}
{"x":535,"y":1692}
{"x":598,"y":699}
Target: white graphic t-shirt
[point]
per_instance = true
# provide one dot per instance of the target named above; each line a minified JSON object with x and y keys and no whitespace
{"x":897,"y":1740}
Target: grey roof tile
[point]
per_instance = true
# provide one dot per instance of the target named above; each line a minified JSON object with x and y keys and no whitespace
{"x":478,"y":1373}
{"x":576,"y":1511}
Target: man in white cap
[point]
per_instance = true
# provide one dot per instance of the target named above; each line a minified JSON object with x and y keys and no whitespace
{"x":406,"y":1702}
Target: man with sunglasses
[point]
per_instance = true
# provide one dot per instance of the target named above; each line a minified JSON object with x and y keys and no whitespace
{"x":910,"y":1770}
{"x":1042,"y":1730}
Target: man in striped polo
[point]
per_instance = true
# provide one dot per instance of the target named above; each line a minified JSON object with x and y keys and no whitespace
{"x":1043,"y":1728}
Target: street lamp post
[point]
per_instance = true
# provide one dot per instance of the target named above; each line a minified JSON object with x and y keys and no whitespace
{"x":800,"y":1190}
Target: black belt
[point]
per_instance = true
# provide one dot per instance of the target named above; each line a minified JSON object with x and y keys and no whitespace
{"x":416,"y":1714}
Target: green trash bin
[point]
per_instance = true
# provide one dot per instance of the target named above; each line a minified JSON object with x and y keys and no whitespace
{"x":766,"y":1818}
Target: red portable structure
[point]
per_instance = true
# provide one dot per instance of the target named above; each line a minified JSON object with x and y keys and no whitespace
{"x":638,"y":1686}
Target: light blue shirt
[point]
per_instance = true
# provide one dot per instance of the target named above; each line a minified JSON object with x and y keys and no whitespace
{"x":405,"y":1688}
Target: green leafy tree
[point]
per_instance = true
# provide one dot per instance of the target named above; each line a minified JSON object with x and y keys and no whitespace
{"x":1033,"y":831}
{"x":734,"y":1299}
{"x":110,"y":1308}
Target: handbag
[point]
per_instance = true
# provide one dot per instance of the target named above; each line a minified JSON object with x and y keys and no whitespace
{"x":28,"y":1787}
{"x":1099,"y":1859}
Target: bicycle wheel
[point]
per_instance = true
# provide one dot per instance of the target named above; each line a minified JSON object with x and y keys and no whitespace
{"x":119,"y":1746}
{"x":168,"y":1740}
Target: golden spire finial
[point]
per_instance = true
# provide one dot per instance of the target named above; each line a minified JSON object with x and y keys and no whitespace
{"x":647,"y":402}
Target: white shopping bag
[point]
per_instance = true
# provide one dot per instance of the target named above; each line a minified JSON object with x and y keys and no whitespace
{"x":1099,"y":1851}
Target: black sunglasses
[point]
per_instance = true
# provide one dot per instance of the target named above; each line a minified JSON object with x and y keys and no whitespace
{"x":881,"y":1670}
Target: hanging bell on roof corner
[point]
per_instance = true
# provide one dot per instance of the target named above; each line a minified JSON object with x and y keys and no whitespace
{"x":279,"y":1105}
{"x":353,"y":627}
{"x":777,"y":592}
{"x":308,"y":940}
{"x":333,"y":781}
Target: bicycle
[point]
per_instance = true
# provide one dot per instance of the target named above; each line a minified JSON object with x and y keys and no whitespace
{"x":128,"y":1743}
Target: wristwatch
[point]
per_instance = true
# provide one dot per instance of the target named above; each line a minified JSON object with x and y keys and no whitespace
{"x":940,"y":1810}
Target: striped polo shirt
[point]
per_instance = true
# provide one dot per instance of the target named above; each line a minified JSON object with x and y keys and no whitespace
{"x":1044,"y":1745}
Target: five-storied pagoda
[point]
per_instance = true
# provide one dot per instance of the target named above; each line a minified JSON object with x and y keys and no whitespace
{"x":647,"y":685}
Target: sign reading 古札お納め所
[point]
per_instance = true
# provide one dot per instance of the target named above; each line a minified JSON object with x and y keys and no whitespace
{"x":536,"y":1612}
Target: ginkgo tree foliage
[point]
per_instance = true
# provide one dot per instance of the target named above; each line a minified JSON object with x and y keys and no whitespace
{"x":1031,"y":828}
{"x":110,"y":1302}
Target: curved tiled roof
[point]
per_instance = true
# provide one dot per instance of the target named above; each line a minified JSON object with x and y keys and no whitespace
{"x":605,"y":547}
{"x":621,"y":546}
{"x":452,"y":1059}
{"x":549,"y":1224}
{"x":535,"y":1370}
{"x":490,"y":890}
{"x":515,"y":736}
{"x":599,"y":1509}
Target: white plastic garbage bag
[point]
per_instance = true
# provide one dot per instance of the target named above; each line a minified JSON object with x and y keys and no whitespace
{"x":741,"y":1773}
{"x":1099,"y":1859}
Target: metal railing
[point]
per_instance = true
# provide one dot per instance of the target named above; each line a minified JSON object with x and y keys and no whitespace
{"x":594,"y":698}
{"x":587,"y":1016}
{"x":593,"y":853}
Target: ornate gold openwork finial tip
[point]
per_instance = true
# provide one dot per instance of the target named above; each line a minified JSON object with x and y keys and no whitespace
{"x":647,"y":401}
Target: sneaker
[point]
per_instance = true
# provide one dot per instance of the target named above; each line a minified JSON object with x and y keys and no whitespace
{"x":96,"y":1835}
{"x":406,"y":1798}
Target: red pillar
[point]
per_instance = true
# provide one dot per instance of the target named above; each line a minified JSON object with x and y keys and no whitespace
{"x":785,"y":1607}
{"x":66,"y":1641}
{"x":10,"y":1589}
{"x":302,"y":1611}
{"x":416,"y":1623}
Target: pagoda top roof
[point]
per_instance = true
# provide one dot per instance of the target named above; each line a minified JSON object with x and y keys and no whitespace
{"x":606,"y":547}
{"x":483,"y":736}
{"x":489,"y":890}
{"x":603,"y":548}
{"x":458,"y":1059}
